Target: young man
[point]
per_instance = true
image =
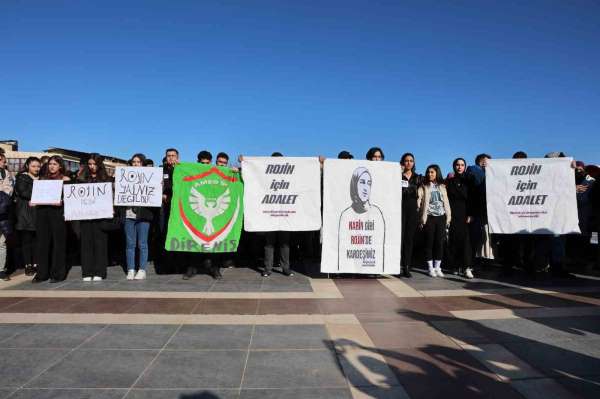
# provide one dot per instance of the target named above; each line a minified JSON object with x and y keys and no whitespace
{"x":6,"y":190}
{"x":168,"y":259}
{"x":209,"y":261}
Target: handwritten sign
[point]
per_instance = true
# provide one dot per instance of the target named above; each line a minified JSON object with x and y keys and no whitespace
{"x":138,"y":186}
{"x":46,"y":192}
{"x":88,"y":201}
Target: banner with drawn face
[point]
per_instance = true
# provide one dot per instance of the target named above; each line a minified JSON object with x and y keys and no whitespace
{"x":362,"y":210}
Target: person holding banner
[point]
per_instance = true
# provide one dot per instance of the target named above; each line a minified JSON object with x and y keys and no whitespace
{"x":94,"y":240}
{"x":479,"y":234}
{"x":282,"y":239}
{"x":26,"y":213}
{"x":137,"y":226}
{"x":435,"y":217}
{"x":410,"y":215}
{"x":209,"y":261}
{"x":51,"y":230}
{"x":459,"y":247}
{"x":375,"y":154}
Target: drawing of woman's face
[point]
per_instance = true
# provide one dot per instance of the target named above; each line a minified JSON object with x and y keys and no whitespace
{"x":364,"y":187}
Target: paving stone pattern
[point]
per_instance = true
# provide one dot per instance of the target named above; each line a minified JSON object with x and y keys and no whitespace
{"x":489,"y":337}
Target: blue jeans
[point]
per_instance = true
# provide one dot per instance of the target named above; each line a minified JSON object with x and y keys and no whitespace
{"x":136,"y":231}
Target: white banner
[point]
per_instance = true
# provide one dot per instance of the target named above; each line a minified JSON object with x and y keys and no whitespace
{"x":362,"y":210}
{"x":88,"y":201}
{"x":281,"y":194}
{"x":138,"y":186}
{"x":46,"y":192}
{"x":531,"y":196}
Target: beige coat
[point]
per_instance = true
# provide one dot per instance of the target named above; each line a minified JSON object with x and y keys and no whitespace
{"x":424,"y":194}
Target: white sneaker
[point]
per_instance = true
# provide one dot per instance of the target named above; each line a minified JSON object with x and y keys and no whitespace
{"x":130,"y":274}
{"x":86,"y":279}
{"x":432,"y":273}
{"x":97,"y":278}
{"x":439,"y":272}
{"x":469,"y":273}
{"x":140,"y":275}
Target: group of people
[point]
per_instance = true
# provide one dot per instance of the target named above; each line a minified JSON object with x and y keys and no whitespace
{"x":445,"y":216}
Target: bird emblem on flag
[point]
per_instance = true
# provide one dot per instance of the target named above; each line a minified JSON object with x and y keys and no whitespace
{"x":209,"y":208}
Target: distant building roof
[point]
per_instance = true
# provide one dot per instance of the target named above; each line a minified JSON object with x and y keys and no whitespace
{"x":80,"y":154}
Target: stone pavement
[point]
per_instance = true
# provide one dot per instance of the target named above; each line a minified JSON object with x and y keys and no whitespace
{"x":300,"y":337}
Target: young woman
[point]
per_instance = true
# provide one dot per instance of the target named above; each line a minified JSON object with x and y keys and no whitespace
{"x":458,"y":240}
{"x":94,"y":247}
{"x":26,"y":213}
{"x":434,"y":217}
{"x":410,"y":215}
{"x":137,"y":225}
{"x":375,"y":154}
{"x":51,"y":230}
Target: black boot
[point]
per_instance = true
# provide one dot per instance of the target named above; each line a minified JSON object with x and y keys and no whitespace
{"x":29,"y":270}
{"x":406,"y":272}
{"x":4,"y":275}
{"x":216,"y":273}
{"x":189,"y":273}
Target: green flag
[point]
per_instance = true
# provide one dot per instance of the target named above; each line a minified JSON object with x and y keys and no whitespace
{"x":206,"y":209}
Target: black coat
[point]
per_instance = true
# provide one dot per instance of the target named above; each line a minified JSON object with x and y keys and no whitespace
{"x":26,"y":215}
{"x":458,"y":241}
{"x":458,"y":195}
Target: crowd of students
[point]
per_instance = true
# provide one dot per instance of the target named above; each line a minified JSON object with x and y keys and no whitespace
{"x":444,"y":222}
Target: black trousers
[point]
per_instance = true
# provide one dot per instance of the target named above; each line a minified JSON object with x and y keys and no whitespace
{"x":94,"y":249}
{"x":410,"y":218}
{"x":435,"y":230}
{"x":51,"y":243}
{"x":28,"y":246}
{"x":459,"y":246}
{"x":282,"y":238}
{"x":518,"y":251}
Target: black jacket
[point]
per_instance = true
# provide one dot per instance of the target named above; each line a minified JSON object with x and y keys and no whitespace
{"x":410,"y":193}
{"x":26,"y":214}
{"x":458,"y":195}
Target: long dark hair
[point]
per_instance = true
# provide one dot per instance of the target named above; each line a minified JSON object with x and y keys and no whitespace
{"x":438,"y":175}
{"x":454,"y":166}
{"x":409,"y":154}
{"x":372,"y":151}
{"x":61,"y":166}
{"x":28,"y":162}
{"x":101,"y":174}
{"x":139,"y":156}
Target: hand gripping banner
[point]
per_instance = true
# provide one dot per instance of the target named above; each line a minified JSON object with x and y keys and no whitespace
{"x":206,"y":209}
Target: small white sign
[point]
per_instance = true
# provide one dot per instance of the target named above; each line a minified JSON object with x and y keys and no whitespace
{"x":88,"y":201}
{"x":138,"y":186}
{"x":46,"y":192}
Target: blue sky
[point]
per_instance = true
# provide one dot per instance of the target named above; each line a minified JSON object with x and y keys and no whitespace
{"x":437,"y":78}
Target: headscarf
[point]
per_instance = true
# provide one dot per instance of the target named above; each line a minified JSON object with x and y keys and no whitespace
{"x":357,"y":204}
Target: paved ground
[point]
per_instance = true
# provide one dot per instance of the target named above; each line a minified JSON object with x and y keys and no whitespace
{"x":300,"y":337}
